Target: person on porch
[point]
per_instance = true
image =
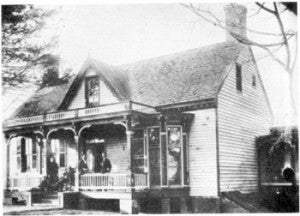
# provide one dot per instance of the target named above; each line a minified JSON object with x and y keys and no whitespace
{"x":52,"y":172}
{"x":83,"y":167}
{"x":105,"y":164}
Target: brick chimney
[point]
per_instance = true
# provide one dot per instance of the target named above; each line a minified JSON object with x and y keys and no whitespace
{"x":235,"y":21}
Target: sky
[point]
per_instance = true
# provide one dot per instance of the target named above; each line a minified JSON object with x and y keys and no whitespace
{"x":123,"y":33}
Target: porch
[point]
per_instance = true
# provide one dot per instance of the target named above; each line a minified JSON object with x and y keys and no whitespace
{"x":88,"y":182}
{"x":147,"y":150}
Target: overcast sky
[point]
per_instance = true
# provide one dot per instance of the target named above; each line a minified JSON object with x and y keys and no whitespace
{"x":124,"y":33}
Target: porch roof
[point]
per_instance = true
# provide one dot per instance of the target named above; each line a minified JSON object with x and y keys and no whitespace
{"x":193,"y":75}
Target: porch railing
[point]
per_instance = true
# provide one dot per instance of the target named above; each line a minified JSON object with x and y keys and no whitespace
{"x":61,"y":115}
{"x":83,"y":112}
{"x":24,"y":183}
{"x":92,"y":181}
{"x":24,"y":121}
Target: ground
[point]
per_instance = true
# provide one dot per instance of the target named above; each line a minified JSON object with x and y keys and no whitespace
{"x":33,"y":210}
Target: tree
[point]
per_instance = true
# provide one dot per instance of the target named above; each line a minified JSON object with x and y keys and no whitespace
{"x":21,"y":49}
{"x":283,"y":38}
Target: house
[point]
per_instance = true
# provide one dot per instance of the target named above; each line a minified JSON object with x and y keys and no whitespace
{"x":278,"y":157}
{"x":177,"y":129}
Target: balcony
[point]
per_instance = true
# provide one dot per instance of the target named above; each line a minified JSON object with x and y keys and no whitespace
{"x":84,"y":112}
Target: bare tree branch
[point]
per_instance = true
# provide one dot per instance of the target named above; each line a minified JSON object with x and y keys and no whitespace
{"x":265,"y":8}
{"x":288,"y":53}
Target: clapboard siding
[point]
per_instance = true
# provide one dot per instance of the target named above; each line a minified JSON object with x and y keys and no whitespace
{"x":202,"y":154}
{"x":106,"y":95}
{"x":116,"y":152}
{"x":241,"y":117}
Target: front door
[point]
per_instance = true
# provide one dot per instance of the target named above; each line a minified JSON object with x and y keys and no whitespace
{"x":94,"y":156}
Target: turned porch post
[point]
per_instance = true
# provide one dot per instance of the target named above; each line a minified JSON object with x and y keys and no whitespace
{"x":129,"y":135}
{"x":45,"y":149}
{"x":76,"y":140}
{"x":7,"y":140}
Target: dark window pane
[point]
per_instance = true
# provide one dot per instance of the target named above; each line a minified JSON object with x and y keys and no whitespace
{"x":23,"y":156}
{"x":154,"y":155}
{"x":253,"y":81}
{"x":34,"y":162}
{"x":238,"y":77}
{"x":185,"y":160}
{"x":34,"y":147}
{"x":138,"y":134}
{"x":92,"y":89}
{"x":61,"y":146}
{"x":155,"y":177}
{"x":62,"y":160}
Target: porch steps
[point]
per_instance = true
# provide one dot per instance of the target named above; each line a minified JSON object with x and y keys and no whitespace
{"x":46,"y":198}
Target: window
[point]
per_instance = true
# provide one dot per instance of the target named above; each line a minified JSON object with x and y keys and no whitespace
{"x":174,"y":155}
{"x":62,"y":154}
{"x":58,"y":150}
{"x":238,"y":69}
{"x":19,"y":156}
{"x":154,"y":155}
{"x":92,"y":91}
{"x":253,"y":81}
{"x":138,"y":152}
{"x":27,"y":155}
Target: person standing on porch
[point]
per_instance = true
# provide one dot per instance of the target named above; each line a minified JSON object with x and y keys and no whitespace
{"x":83,"y":167}
{"x":52,"y":171}
{"x":105,"y":164}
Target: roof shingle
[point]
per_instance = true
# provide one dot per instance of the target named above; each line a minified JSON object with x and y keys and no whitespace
{"x":195,"y":74}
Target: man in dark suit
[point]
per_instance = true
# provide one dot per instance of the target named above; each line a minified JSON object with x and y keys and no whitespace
{"x":105,"y":164}
{"x":83,"y":167}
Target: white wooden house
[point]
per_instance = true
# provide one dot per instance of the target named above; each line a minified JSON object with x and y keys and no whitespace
{"x":178,"y":127}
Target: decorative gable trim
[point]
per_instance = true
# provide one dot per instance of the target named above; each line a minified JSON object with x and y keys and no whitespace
{"x":113,"y":78}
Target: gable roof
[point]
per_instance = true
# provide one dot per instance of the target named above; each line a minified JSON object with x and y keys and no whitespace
{"x":195,"y":74}
{"x":115,"y":79}
{"x":45,"y":100}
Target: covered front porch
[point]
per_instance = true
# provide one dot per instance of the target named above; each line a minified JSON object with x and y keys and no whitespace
{"x":147,"y":150}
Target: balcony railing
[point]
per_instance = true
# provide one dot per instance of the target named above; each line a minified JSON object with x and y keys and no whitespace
{"x":95,"y":181}
{"x":24,"y":183}
{"x":72,"y":114}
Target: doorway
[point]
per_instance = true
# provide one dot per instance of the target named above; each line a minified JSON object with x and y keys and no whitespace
{"x":94,"y":156}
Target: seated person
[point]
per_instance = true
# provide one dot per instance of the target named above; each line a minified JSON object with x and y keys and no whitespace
{"x":83,"y":167}
{"x":105,"y":164}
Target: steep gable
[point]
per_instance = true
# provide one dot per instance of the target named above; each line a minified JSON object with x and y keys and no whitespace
{"x":192,"y":75}
{"x":113,"y":85}
{"x":106,"y":96}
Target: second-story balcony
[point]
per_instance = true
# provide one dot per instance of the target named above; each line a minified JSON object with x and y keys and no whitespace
{"x":81,"y":113}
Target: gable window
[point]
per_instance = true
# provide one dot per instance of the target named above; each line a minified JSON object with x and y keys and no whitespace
{"x":238,"y":70}
{"x":253,"y":81}
{"x":92,"y":92}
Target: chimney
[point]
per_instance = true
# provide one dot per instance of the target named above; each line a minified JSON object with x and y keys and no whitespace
{"x":235,"y":21}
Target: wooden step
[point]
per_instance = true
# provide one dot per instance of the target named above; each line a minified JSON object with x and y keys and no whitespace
{"x":50,"y":201}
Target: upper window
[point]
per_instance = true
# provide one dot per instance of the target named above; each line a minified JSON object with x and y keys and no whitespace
{"x":238,"y":69}
{"x":92,"y":92}
{"x":253,"y":81}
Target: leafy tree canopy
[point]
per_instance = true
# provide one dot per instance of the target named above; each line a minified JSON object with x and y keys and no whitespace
{"x":21,"y":47}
